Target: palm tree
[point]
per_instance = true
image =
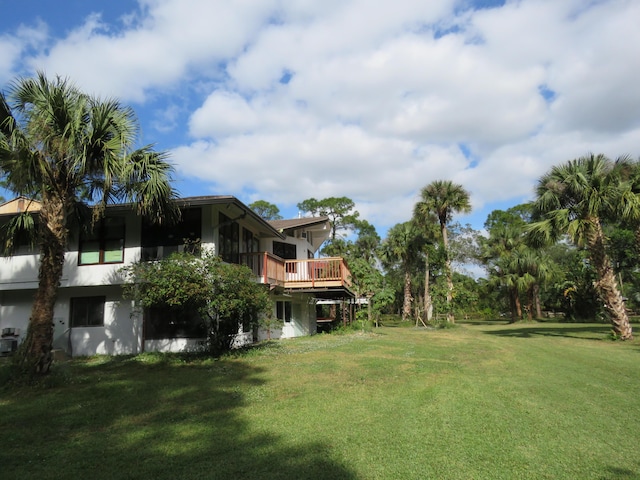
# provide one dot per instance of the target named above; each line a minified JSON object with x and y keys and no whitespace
{"x":573,"y":199}
{"x":424,"y":218}
{"x":511,"y":262}
{"x":70,"y":149}
{"x":500,"y":254}
{"x":444,"y":198}
{"x":629,"y":200}
{"x":402,"y":245}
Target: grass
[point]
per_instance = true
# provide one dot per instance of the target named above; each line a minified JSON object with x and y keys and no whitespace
{"x":481,"y":401}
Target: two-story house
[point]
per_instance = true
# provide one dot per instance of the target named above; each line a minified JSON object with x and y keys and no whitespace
{"x":91,"y":316}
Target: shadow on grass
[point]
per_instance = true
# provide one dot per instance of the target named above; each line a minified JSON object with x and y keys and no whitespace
{"x":125,"y":419}
{"x":569,"y":330}
{"x":615,"y":473}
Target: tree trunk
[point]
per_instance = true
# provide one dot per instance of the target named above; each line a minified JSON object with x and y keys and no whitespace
{"x":36,"y":349}
{"x":448,"y":272}
{"x":516,"y":308}
{"x":406,"y":304}
{"x":428,"y":304}
{"x":536,"y":300}
{"x":606,"y":285}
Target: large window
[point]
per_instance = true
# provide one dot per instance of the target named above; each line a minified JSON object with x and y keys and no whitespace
{"x":229,"y":239}
{"x":283,"y":311}
{"x":160,"y":241}
{"x":250,"y":242}
{"x":286,"y":251}
{"x":104,"y":243}
{"x":173,"y":322}
{"x":87,"y":312}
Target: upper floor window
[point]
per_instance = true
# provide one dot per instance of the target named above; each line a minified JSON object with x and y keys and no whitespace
{"x":286,"y":251}
{"x":250,"y":242}
{"x":23,"y":241}
{"x":104,"y":243}
{"x":160,"y":241}
{"x":228,"y":239}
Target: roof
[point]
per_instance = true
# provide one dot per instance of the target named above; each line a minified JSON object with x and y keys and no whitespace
{"x":245,"y":211}
{"x":242,"y":210}
{"x":298,"y":222}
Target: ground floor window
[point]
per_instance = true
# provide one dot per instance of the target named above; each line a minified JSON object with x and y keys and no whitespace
{"x":247,"y":322}
{"x":87,"y":312}
{"x":283,"y":311}
{"x":173,"y":322}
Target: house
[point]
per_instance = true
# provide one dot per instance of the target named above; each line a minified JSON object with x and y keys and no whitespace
{"x":19,"y":204}
{"x":91,"y":317}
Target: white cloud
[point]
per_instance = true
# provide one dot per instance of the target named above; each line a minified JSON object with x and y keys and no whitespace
{"x":289,"y":99}
{"x":13,"y":45}
{"x":159,"y":49}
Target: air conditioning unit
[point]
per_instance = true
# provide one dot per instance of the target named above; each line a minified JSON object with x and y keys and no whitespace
{"x":8,"y":346}
{"x":10,"y":332}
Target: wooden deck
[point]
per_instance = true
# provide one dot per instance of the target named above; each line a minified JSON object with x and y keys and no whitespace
{"x":298,"y":274}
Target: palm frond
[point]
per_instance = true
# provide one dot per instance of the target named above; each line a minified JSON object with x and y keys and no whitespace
{"x":19,"y":230}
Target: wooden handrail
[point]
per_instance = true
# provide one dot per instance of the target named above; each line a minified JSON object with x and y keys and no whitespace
{"x":309,"y":273}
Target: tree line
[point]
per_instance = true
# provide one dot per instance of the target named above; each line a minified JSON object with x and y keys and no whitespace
{"x":572,"y":251}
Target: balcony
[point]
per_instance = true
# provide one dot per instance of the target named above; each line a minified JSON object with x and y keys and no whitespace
{"x":329,"y":272}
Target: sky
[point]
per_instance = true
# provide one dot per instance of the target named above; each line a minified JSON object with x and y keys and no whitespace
{"x":284,"y":100}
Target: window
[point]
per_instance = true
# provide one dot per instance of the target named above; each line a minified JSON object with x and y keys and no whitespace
{"x":103,"y":244}
{"x":247,"y":320}
{"x":250,"y":241}
{"x":173,"y":322}
{"x":160,"y":241}
{"x":283,"y":311}
{"x":23,"y":242}
{"x":229,"y":239}
{"x":286,"y":251}
{"x":87,"y":312}
{"x":248,"y":255}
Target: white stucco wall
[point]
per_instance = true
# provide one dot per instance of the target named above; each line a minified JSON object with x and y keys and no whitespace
{"x":120,"y":334}
{"x":303,"y":317}
{"x":15,"y":308}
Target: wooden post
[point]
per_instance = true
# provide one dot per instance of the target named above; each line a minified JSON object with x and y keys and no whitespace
{"x":265,"y":278}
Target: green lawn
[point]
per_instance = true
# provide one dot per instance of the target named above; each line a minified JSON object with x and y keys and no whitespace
{"x":481,"y":401}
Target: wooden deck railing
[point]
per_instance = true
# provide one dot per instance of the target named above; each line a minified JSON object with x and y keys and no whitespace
{"x":267,"y":267}
{"x":317,"y":272}
{"x":311,"y":273}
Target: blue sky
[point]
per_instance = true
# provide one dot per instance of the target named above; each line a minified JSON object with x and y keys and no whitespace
{"x":283,"y":100}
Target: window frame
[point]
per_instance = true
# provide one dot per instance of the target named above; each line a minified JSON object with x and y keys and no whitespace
{"x":87,"y":304}
{"x":162,"y":323}
{"x":284,"y":310}
{"x":160,"y":241}
{"x":286,"y":251}
{"x":102,"y":235}
{"x":228,"y":239}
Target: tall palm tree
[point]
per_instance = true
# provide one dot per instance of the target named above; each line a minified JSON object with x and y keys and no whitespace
{"x":70,"y":149}
{"x":573,"y":199}
{"x":425,"y":219}
{"x":403,"y":245}
{"x":444,"y":198}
